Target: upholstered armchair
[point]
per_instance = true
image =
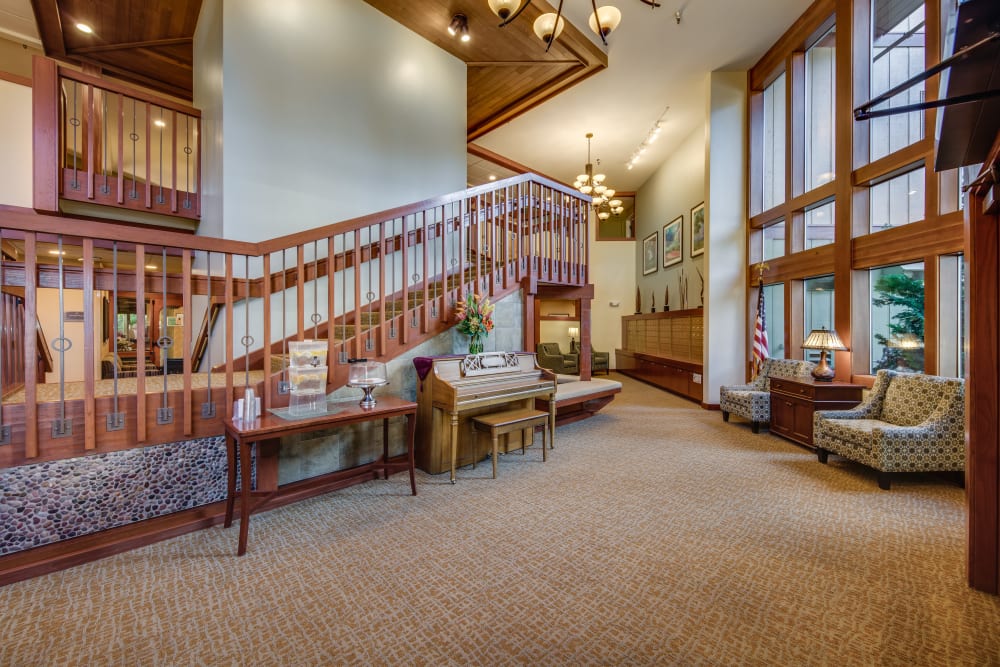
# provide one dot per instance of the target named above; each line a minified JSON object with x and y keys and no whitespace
{"x":551,"y":357}
{"x":910,"y":422}
{"x":599,"y":361}
{"x":753,"y":401}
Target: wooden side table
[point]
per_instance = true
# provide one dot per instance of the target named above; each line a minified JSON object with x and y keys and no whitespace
{"x":794,"y":400}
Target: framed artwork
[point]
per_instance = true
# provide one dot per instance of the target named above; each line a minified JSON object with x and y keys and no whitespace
{"x":649,"y":263}
{"x":698,"y":230}
{"x":672,"y":246}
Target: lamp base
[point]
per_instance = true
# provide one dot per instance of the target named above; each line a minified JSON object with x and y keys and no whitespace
{"x":823,"y":372}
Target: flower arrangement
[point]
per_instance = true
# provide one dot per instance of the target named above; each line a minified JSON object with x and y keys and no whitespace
{"x":475,"y":320}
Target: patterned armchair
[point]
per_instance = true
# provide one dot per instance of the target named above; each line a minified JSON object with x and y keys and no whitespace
{"x":753,"y":401}
{"x":551,"y":357}
{"x":909,"y":423}
{"x":599,"y":361}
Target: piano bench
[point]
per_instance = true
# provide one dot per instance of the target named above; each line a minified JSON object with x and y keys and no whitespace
{"x":501,"y":423}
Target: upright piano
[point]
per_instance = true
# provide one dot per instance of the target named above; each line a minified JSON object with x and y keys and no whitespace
{"x":455,"y":389}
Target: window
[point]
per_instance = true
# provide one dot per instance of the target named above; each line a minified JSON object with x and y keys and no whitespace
{"x":897,"y":318}
{"x":897,"y":55}
{"x":774,"y":144}
{"x":951,"y":316}
{"x":774,"y":319}
{"x":818,"y":311}
{"x":897,"y":201}
{"x":774,"y":240}
{"x":819,"y":225}
{"x":820,"y":58}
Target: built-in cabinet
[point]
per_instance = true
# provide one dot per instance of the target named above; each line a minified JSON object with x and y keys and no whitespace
{"x":665,"y":349}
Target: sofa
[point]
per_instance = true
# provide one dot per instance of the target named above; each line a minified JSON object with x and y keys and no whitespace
{"x":599,"y":361}
{"x":550,"y":356}
{"x":910,"y":422}
{"x":753,"y":401}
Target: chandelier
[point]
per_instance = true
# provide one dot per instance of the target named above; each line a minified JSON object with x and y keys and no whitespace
{"x":603,"y":20}
{"x":592,"y":184}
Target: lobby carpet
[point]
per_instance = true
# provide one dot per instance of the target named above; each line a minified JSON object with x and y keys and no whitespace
{"x":654,"y":535}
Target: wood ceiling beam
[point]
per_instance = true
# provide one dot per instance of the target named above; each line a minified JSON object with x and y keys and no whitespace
{"x":132,"y":45}
{"x":49,"y":26}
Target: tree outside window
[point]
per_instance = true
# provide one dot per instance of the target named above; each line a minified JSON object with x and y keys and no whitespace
{"x":897,"y":318}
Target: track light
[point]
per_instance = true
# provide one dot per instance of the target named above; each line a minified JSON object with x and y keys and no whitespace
{"x":459,"y":26}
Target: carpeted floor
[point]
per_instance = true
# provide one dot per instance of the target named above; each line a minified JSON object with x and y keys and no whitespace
{"x":655,"y":534}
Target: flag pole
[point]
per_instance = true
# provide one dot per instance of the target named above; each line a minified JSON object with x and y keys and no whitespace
{"x":760,"y":346}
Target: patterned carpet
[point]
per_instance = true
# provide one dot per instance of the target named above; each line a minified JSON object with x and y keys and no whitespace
{"x":654,"y":535}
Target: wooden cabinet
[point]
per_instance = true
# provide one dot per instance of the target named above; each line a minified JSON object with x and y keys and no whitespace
{"x":664,"y":349}
{"x":794,"y":400}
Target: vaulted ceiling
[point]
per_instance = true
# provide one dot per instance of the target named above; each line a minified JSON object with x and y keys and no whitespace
{"x":150,"y":44}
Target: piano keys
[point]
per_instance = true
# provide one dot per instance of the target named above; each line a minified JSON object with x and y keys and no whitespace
{"x":455,"y":389}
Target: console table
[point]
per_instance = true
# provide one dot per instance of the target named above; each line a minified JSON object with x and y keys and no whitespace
{"x":794,"y":400}
{"x":241,"y":437}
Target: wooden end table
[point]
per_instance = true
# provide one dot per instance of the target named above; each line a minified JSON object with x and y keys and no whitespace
{"x":794,"y":400}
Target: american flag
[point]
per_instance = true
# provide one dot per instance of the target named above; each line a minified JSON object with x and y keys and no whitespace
{"x":760,"y":351}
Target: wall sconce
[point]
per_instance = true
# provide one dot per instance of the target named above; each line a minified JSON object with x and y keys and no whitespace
{"x":823,"y":340}
{"x":459,"y":26}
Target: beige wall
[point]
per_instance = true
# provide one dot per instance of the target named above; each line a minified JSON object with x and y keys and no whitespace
{"x":612,"y":272}
{"x":15,"y":144}
{"x":48,"y":317}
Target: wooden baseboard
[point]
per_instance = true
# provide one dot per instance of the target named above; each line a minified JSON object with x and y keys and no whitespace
{"x":710,"y":406}
{"x":86,"y":548}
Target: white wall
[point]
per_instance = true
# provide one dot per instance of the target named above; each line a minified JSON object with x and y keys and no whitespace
{"x":612,"y":273}
{"x":676,"y":187}
{"x":330,"y":110}
{"x":15,"y":144}
{"x":726,"y":332}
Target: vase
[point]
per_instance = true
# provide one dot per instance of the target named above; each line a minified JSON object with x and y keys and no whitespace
{"x":475,"y":344}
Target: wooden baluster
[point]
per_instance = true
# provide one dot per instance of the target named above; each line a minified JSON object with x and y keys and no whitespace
{"x":30,"y":348}
{"x":300,"y":292}
{"x":331,"y":292}
{"x":266,"y":335}
{"x":384,"y":320}
{"x":89,"y":408}
{"x":404,"y":332}
{"x":492,"y":241}
{"x":88,"y":101}
{"x":173,"y":161}
{"x":358,"y":259}
{"x":140,"y":343}
{"x":197,"y":142}
{"x":585,"y":277}
{"x":228,"y":300}
{"x":442,"y":233}
{"x":464,"y":241}
{"x":149,"y":157}
{"x":187,"y":308}
{"x":426,"y":319}
{"x":120,"y":197}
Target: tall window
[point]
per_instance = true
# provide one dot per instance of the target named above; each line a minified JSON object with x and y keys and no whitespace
{"x":774,"y":144}
{"x":951,"y":316}
{"x":897,"y":54}
{"x":774,"y":320}
{"x":897,"y":318}
{"x":774,"y":240}
{"x":819,"y":225}
{"x":818,"y":311}
{"x":820,"y":58}
{"x":897,"y":201}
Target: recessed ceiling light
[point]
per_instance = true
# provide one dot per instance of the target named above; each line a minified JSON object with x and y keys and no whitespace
{"x":57,"y":252}
{"x":83,"y":27}
{"x":159,"y":123}
{"x":151,"y":267}
{"x":492,"y":177}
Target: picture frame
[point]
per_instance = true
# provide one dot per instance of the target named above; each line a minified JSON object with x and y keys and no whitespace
{"x":673,"y":245}
{"x":649,"y":254}
{"x":698,"y":230}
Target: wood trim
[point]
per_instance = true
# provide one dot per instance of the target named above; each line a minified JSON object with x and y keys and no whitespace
{"x":15,"y":78}
{"x":795,"y":38}
{"x":45,"y":134}
{"x":49,"y":26}
{"x":906,"y":159}
{"x":129,"y":91}
{"x":911,"y":242}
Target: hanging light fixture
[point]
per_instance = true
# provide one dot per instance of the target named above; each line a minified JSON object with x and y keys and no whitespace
{"x":459,"y":27}
{"x":603,"y":20}
{"x":589,"y":183}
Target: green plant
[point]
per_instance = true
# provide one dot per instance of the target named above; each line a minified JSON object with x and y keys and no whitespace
{"x":904,"y":294}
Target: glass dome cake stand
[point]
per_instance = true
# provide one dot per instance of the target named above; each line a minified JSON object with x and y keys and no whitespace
{"x":366,"y":376}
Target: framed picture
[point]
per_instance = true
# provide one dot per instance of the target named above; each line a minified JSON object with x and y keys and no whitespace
{"x":649,"y":264}
{"x":698,"y":230}
{"x":672,"y":246}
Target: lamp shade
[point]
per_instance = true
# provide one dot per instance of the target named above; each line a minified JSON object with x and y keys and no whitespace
{"x":821,"y":339}
{"x":574,"y":332}
{"x":605,"y":20}
{"x":504,"y":8}
{"x":547,"y":28}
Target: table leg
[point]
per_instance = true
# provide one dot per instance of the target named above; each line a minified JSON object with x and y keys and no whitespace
{"x":245,"y":477}
{"x":231,"y":481}
{"x":411,"y":423}
{"x":454,"y":444}
{"x":385,"y":448}
{"x":545,"y":449}
{"x":552,"y":421}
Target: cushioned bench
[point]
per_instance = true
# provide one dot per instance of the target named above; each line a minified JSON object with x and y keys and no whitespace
{"x":576,"y":399}
{"x":501,"y":423}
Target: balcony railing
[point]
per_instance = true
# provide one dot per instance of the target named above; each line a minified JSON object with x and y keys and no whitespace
{"x":184,"y":325}
{"x":100,"y":142}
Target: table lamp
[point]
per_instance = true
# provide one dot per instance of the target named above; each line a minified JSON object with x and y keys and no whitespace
{"x":823,"y":340}
{"x":573,"y":333}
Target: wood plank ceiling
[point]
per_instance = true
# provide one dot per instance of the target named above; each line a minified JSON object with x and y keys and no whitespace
{"x":150,"y":44}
